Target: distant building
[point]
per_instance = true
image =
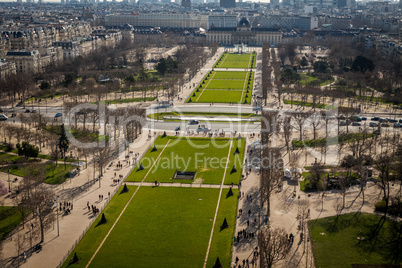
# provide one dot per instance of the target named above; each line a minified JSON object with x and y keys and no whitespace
{"x":222,"y":21}
{"x":289,"y":22}
{"x":162,"y":20}
{"x":227,"y":3}
{"x":25,"y":61}
{"x":244,"y":33}
{"x":6,"y":68}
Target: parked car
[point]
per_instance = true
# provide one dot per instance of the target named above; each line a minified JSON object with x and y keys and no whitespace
{"x":193,"y":122}
{"x":393,"y":121}
{"x":364,"y":118}
{"x":3,"y":117}
{"x":355,"y":118}
{"x":58,"y":115}
{"x":177,"y":129}
{"x":375,"y":118}
{"x":342,"y":123}
{"x":355,"y":124}
{"x":400,"y":121}
{"x":33,"y":111}
{"x":397,"y":125}
{"x":372,"y":124}
{"x":383,"y":120}
{"x":341,"y":117}
{"x":27,"y":111}
{"x":1,"y":110}
{"x":384,"y":125}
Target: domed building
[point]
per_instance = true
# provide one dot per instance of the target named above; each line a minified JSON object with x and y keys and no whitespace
{"x":244,"y":33}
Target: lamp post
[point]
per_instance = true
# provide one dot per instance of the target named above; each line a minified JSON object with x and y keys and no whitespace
{"x":9,"y":181}
{"x":57,"y":215}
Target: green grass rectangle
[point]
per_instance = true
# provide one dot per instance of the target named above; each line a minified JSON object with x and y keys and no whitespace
{"x":225,"y":84}
{"x":222,"y":240}
{"x":222,"y":96}
{"x":335,"y":243}
{"x":236,"y":61}
{"x":205,"y":156}
{"x":95,"y":234}
{"x":162,"y":227}
{"x":230,"y":75}
{"x":10,"y":218}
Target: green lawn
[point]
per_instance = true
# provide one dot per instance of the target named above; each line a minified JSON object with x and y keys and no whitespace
{"x":162,"y":227}
{"x":9,"y":219}
{"x":219,"y":96}
{"x":335,"y":242}
{"x":53,"y":174}
{"x":348,"y":137}
{"x":186,"y":149}
{"x":118,"y":101}
{"x":226,"y":81}
{"x":205,"y":156}
{"x":222,"y":241}
{"x":236,"y":160}
{"x":230,"y":75}
{"x":95,"y":234}
{"x":226,"y":84}
{"x":229,"y":60}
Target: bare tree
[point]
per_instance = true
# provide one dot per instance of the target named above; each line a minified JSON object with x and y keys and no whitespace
{"x":274,"y":246}
{"x":41,"y":203}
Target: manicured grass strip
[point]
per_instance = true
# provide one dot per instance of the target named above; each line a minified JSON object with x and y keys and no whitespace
{"x":217,"y":208}
{"x":162,"y":227}
{"x":118,"y":101}
{"x":237,"y":160}
{"x":222,"y":240}
{"x":220,"y":96}
{"x":199,"y":155}
{"x":230,"y":74}
{"x":335,"y":243}
{"x":138,"y":175}
{"x":226,"y":84}
{"x":53,"y":174}
{"x":209,"y":81}
{"x":9,"y":219}
{"x":348,"y":137}
{"x":95,"y":234}
{"x":307,"y":104}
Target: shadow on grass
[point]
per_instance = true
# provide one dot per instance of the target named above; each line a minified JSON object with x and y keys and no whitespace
{"x":371,"y":234}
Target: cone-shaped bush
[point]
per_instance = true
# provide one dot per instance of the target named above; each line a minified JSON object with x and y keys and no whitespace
{"x":239,"y":137}
{"x":233,"y":169}
{"x":245,"y":101}
{"x":74,"y":259}
{"x":141,"y":167}
{"x":124,"y":190}
{"x":197,"y":90}
{"x":164,"y":134}
{"x":247,"y":91}
{"x":103,"y":220}
{"x":224,"y":224}
{"x":237,"y":151}
{"x":190,"y":100}
{"x":153,"y":149}
{"x":217,"y":263}
{"x":193,"y":95}
{"x":246,"y":96}
{"x":230,"y":193}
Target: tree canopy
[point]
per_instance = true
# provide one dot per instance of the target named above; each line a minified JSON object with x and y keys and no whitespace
{"x":168,"y":65}
{"x":362,"y":64}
